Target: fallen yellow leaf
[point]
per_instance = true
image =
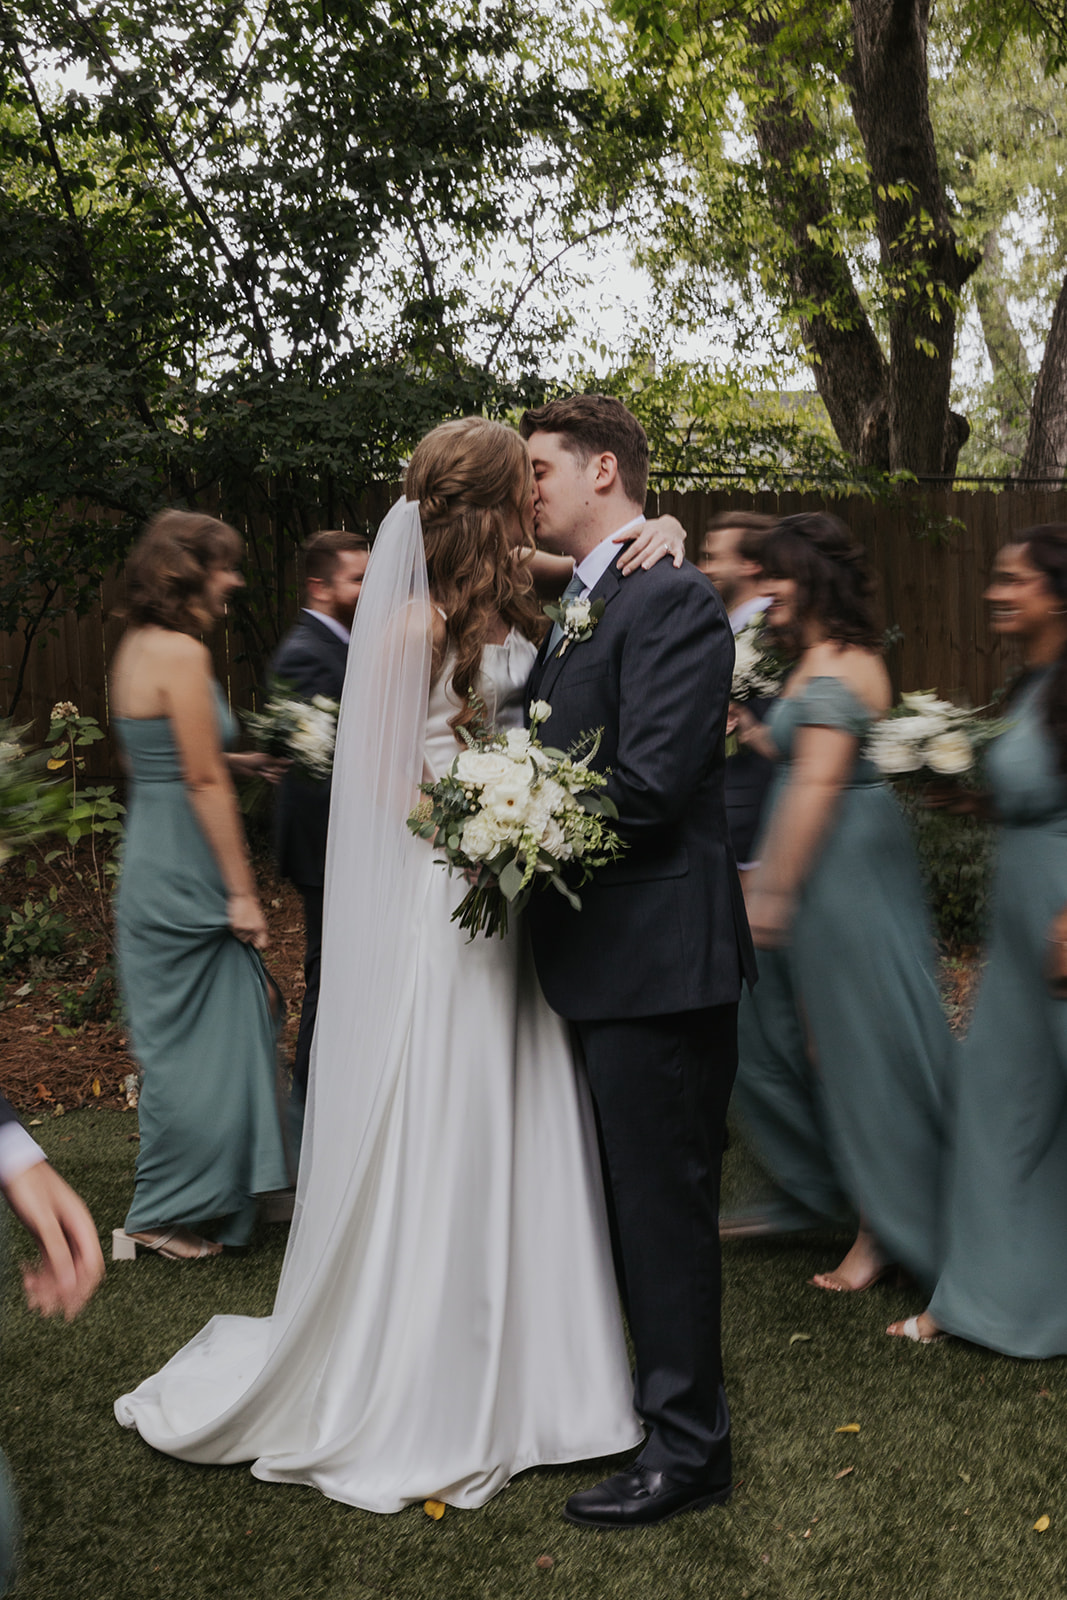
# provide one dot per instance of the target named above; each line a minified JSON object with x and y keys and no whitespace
{"x":800,"y":1338}
{"x":434,"y":1509}
{"x":97,"y":1089}
{"x":1041,"y":1524}
{"x":843,"y":1473}
{"x":848,"y":1427}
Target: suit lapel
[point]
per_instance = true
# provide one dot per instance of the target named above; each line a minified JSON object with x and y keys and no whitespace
{"x":606,"y":588}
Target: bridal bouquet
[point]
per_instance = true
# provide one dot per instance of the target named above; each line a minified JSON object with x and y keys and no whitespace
{"x":758,"y":669}
{"x":302,"y":731}
{"x":924,"y":737}
{"x":510,"y":814}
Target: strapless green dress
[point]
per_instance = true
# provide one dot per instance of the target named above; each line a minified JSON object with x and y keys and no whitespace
{"x":1004,"y":1282}
{"x":198,"y":1011}
{"x":844,"y":1048}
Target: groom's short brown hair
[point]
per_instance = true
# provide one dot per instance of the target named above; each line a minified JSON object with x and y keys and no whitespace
{"x":591,"y":423}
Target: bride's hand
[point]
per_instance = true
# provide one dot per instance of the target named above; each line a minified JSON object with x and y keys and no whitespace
{"x":663,"y":536}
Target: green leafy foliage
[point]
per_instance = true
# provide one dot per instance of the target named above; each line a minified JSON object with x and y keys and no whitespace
{"x":955,"y":856}
{"x":34,"y":930}
{"x":261,"y":253}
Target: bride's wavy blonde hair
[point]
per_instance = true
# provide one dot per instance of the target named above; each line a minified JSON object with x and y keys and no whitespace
{"x":472,"y":478}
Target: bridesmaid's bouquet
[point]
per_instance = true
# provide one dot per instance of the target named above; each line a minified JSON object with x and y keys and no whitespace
{"x":924,"y":738}
{"x":301,"y":731}
{"x":31,"y":803}
{"x":758,"y":668}
{"x":511,"y":815}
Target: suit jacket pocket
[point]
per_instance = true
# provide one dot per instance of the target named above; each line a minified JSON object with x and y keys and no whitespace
{"x":585,"y":674}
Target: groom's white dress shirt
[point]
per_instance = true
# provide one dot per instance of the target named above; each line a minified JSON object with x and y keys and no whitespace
{"x":593,"y":566}
{"x":743,"y":614}
{"x":331,"y":622}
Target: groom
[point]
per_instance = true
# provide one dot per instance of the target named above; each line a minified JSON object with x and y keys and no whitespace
{"x":649,"y":971}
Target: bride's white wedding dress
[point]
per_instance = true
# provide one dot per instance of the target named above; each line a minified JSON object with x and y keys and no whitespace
{"x":447,"y":1313}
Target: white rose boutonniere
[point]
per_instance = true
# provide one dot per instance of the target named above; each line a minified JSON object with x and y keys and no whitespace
{"x":577,"y":618}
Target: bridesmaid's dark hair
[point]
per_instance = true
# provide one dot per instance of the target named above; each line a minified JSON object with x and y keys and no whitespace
{"x":1046,"y":549}
{"x":168,"y":568}
{"x":834,"y":584}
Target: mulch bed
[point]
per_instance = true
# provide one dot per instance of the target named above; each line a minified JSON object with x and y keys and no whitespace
{"x":48,"y":1067}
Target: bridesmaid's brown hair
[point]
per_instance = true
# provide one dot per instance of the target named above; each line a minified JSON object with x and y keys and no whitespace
{"x":168,"y":567}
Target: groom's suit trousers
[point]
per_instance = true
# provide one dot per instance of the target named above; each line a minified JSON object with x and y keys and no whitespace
{"x":662,"y":1171}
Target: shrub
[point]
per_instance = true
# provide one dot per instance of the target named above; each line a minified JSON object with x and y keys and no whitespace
{"x":955,"y":855}
{"x":33,"y":930}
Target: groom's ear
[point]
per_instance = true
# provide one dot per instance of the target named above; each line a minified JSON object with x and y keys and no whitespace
{"x":607,"y":470}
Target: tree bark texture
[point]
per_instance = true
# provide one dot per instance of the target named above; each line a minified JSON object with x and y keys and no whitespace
{"x":850,"y":370}
{"x":921,"y":261}
{"x":1046,"y":446}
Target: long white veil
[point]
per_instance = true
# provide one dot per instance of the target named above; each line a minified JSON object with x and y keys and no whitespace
{"x":375,"y":871}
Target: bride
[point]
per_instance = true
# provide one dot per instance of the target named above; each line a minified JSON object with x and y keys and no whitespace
{"x":447,"y":1312}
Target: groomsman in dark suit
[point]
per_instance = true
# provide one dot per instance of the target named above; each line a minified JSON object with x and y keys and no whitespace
{"x":730,"y":557}
{"x":312,"y":659}
{"x":649,"y":971}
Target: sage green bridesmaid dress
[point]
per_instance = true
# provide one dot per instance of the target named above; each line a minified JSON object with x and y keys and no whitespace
{"x":198,"y":1009}
{"x":1004,"y":1282}
{"x":844,"y":1047}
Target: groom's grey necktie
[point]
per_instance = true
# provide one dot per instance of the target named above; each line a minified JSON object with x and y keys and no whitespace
{"x":571,"y":592}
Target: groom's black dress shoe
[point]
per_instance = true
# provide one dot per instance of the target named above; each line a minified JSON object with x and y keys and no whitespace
{"x":640,"y":1496}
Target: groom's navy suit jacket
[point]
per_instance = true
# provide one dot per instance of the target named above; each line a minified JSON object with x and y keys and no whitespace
{"x":663,"y":930}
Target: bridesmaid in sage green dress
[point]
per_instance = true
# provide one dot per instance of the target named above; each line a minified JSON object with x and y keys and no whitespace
{"x":1004,"y":1280}
{"x":202,"y":1011}
{"x":843,"y":1044}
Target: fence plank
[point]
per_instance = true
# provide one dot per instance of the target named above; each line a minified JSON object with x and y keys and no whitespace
{"x":930,"y":583}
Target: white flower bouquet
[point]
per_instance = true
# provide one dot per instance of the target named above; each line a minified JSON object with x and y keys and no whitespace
{"x":758,"y":669}
{"x":511,"y":815}
{"x":302,"y":731}
{"x":925,"y":738}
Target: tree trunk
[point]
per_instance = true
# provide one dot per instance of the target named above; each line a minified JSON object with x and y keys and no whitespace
{"x":1046,"y":447}
{"x":922,"y":264}
{"x":850,"y":370}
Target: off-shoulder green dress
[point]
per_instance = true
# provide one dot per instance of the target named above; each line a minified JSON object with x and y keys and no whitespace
{"x":844,"y":1048}
{"x":1004,"y":1282}
{"x":198,"y":1008}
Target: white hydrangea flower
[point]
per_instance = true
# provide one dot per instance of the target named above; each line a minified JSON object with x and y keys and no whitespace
{"x":950,"y":754}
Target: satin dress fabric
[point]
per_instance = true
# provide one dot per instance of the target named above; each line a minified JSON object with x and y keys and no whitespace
{"x":1004,"y":1283}
{"x":845,"y":1053}
{"x":198,"y":1009}
{"x":466,"y":1325}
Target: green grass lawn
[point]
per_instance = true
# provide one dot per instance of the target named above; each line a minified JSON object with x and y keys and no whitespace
{"x":959,"y":1453}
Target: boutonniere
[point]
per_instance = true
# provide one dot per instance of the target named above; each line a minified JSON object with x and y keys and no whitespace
{"x":577,"y":618}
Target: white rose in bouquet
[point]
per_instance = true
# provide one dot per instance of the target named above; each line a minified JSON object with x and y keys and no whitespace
{"x":950,"y":754}
{"x":509,"y":800}
{"x":893,"y":753}
{"x":518,"y":741}
{"x":478,"y":769}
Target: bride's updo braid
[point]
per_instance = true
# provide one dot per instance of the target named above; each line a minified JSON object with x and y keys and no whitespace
{"x":473,"y":481}
{"x":834,"y":584}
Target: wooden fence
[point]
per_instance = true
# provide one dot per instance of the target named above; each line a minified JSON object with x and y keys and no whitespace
{"x":931,"y":553}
